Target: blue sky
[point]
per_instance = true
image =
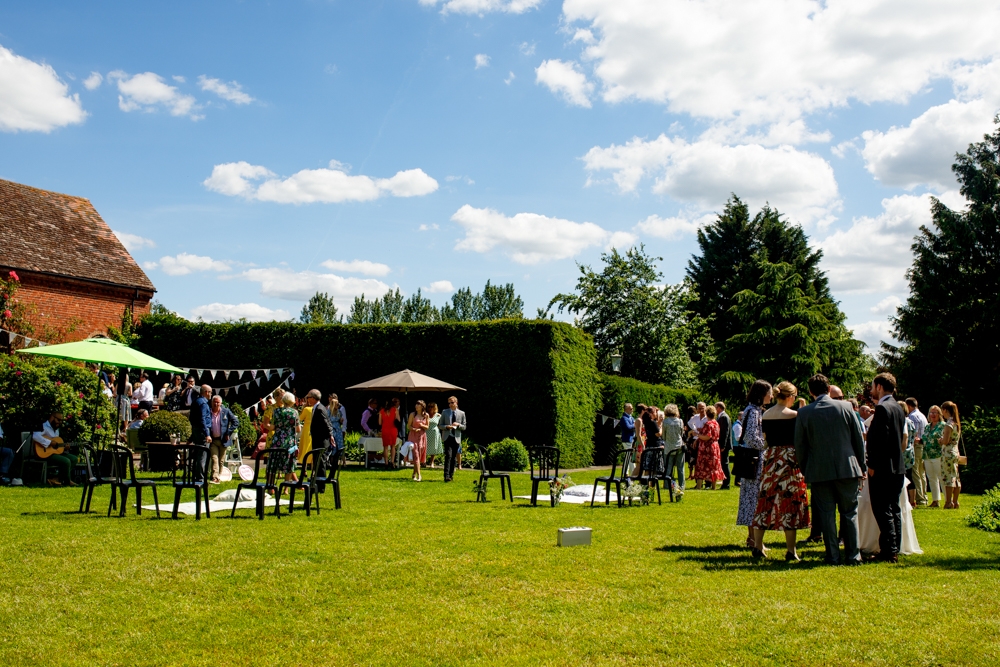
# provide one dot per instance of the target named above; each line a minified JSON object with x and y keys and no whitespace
{"x":251,"y":153}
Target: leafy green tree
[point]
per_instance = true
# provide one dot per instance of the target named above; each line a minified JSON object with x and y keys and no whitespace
{"x":418,"y":308}
{"x":387,"y":310}
{"x":496,"y":302}
{"x":950,"y":324}
{"x":626,"y":309}
{"x":320,"y":310}
{"x":785,"y":334}
{"x":732,"y":248}
{"x":127,"y":333}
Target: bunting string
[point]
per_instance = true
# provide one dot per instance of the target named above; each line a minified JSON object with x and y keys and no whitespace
{"x":12,"y":338}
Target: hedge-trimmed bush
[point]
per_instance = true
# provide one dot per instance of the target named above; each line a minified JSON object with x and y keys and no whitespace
{"x":981,"y":440}
{"x":986,"y":515}
{"x":160,"y":424}
{"x":508,"y":454}
{"x":617,"y":391}
{"x":543,"y":371}
{"x":32,"y":388}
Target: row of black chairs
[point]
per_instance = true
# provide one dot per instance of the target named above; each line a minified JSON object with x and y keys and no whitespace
{"x":653,"y":471}
{"x":544,"y":467}
{"x":318,"y":469}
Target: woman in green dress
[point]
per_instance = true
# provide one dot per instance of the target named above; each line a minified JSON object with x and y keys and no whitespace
{"x":284,"y":425}
{"x":434,"y":445}
{"x":932,"y":453}
{"x":949,"y":454}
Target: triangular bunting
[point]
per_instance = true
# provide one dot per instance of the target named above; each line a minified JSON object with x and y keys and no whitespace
{"x":258,"y":382}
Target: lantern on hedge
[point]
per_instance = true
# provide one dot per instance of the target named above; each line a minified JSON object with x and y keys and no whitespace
{"x":616,"y":362}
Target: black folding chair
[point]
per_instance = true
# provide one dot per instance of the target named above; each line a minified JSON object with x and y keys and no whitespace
{"x":124,"y":460}
{"x":486,"y":473}
{"x":192,"y":476}
{"x":274,"y":464}
{"x":544,"y":462}
{"x":93,"y":478}
{"x":307,"y":472}
{"x":617,"y":480}
{"x":327,"y":473}
{"x":653,"y":464}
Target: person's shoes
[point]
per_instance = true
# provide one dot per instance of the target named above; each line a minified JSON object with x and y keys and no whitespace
{"x":16,"y":482}
{"x":55,"y":482}
{"x":750,"y":543}
{"x":852,"y":563}
{"x":792,"y":558}
{"x":887,"y":559}
{"x":757,"y":554}
{"x":814,"y":539}
{"x":724,"y":487}
{"x":214,"y":480}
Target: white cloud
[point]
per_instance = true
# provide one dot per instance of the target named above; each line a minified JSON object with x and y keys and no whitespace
{"x":674,"y":227}
{"x":440,"y":287}
{"x":872,"y":333}
{"x":922,"y":152}
{"x":330,"y":185}
{"x":93,"y":82}
{"x":510,"y":78}
{"x":527,"y":238}
{"x":133,"y":242}
{"x":482,"y":60}
{"x":186,"y":263}
{"x":148,"y":92}
{"x":527,"y":49}
{"x":33,"y":98}
{"x":362,"y":266}
{"x":873,"y":254}
{"x":887,"y":305}
{"x":221,"y":312}
{"x":482,"y":6}
{"x":231,"y":91}
{"x":301,"y":285}
{"x":799,"y":184}
{"x":621,"y":240}
{"x":754,"y":62}
{"x":427,"y":228}
{"x":565,"y":79}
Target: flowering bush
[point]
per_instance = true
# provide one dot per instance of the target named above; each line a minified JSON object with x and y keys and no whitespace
{"x":32,"y":388}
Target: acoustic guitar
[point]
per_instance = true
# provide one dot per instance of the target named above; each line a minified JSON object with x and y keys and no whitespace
{"x":53,"y":449}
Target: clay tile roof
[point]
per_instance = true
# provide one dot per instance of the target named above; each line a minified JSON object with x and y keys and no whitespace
{"x":49,"y":232}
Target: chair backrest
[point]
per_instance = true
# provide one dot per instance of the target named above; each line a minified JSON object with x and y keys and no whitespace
{"x":87,"y":450}
{"x":192,"y":468}
{"x":132,"y":435}
{"x":545,"y":460}
{"x":124,"y":464}
{"x":327,"y":464}
{"x":274,"y":465}
{"x":628,"y":459}
{"x":309,"y":466}
{"x":484,"y":466}
{"x":27,"y":450}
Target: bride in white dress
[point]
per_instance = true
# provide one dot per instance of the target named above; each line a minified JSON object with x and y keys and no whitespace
{"x":868,"y":532}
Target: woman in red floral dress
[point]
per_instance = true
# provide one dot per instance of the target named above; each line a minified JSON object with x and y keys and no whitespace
{"x":782,"y":503}
{"x":708,"y":465}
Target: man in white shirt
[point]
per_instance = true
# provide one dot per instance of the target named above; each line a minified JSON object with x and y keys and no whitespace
{"x":917,"y":424}
{"x":144,"y":395}
{"x":699,"y":419}
{"x":63,"y":463}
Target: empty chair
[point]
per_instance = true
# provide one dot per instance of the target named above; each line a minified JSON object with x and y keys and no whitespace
{"x":651,"y":470}
{"x":544,"y":462}
{"x":93,"y":478}
{"x":327,"y":473}
{"x":628,"y":455}
{"x":486,"y":473}
{"x":126,"y":480}
{"x":192,"y":476}
{"x":274,"y":465}
{"x":307,"y":473}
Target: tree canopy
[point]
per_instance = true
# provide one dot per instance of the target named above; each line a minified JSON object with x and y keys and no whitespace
{"x":948,"y":327}
{"x":319,"y":310}
{"x":495,"y":302}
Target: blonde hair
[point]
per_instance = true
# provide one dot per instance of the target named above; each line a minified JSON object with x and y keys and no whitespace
{"x":951,"y":409}
{"x":671,"y":410}
{"x":784,"y":390}
{"x":710,"y":411}
{"x":288,"y":399}
{"x":906,"y":408}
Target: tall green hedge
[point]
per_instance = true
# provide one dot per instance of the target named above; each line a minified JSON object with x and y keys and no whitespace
{"x":533,"y":380}
{"x":617,"y":391}
{"x":981,"y":441}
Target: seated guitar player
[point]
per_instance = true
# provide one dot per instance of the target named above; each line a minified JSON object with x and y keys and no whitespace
{"x":48,"y":445}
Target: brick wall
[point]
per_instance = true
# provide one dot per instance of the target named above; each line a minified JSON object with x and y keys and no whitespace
{"x":59,"y":301}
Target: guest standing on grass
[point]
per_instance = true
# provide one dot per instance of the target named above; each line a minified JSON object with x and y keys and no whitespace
{"x":224,"y":424}
{"x":284,"y":425}
{"x":918,"y":422}
{"x":932,"y":453}
{"x":320,"y":424}
{"x":949,"y":440}
{"x":673,"y":446}
{"x":451,"y":426}
{"x":653,"y":439}
{"x":338,"y":421}
{"x":274,"y":403}
{"x":725,"y":440}
{"x":435,"y":447}
{"x":305,"y":439}
{"x":387,"y":423}
{"x":782,"y":503}
{"x":886,"y":466}
{"x":753,"y":437}
{"x":200,"y":417}
{"x":695,"y":422}
{"x":369,"y":418}
{"x":627,"y":426}
{"x":708,"y":469}
{"x":416,"y":428}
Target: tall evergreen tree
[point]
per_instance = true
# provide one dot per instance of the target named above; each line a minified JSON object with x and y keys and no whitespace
{"x":319,"y":310}
{"x":949,"y":326}
{"x":730,"y":261}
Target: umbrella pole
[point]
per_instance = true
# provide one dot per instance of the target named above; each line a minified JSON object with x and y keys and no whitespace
{"x":97,"y":399}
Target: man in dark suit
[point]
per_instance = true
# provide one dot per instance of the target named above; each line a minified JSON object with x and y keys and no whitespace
{"x":725,"y":440}
{"x":200,"y":417}
{"x":830,"y":451}
{"x":320,"y":430}
{"x":886,"y":468}
{"x":452,"y":425}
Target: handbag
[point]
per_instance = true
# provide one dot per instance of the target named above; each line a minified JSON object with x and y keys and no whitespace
{"x":963,"y":460}
{"x":747,"y":459}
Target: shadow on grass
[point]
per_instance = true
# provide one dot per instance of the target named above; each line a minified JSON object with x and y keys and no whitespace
{"x":733,"y":557}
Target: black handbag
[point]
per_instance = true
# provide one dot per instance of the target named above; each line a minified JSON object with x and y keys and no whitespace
{"x":747,"y":459}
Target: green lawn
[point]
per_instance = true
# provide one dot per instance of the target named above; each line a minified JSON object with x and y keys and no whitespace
{"x":419,"y":574}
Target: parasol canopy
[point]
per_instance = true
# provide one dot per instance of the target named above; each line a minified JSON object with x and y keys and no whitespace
{"x":406,"y":381}
{"x":103,"y":351}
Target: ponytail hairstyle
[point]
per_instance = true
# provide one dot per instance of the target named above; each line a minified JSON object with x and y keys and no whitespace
{"x":952,"y":410}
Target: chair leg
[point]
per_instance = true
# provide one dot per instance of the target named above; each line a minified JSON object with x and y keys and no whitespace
{"x":208,"y":510}
{"x":260,"y":504}
{"x":121,"y":510}
{"x":336,"y":494}
{"x":656,"y":483}
{"x":593,"y":494}
{"x":90,"y":496}
{"x":84,"y":496}
{"x":534,"y":493}
{"x":291,"y":498}
{"x":114,"y":498}
{"x":111,"y":503}
{"x":235,"y":500}
{"x":156,"y":501}
{"x":197,"y":503}
{"x":305,"y":492}
{"x":510,"y":489}
{"x":177,"y":500}
{"x":138,"y":501}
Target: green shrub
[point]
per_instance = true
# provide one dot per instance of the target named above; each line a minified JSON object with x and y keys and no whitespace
{"x":508,"y":454}
{"x":32,"y":388}
{"x":247,"y":430}
{"x":352,"y":450}
{"x":981,"y":440}
{"x":470,"y":457}
{"x":161,"y":424}
{"x":542,"y":369}
{"x":986,"y":515}
{"x":617,"y":391}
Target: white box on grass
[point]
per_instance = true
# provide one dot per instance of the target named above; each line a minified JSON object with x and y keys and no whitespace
{"x":572,"y":537}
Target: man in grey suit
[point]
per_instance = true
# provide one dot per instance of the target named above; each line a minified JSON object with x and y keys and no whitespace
{"x":830,"y":451}
{"x":451,"y":426}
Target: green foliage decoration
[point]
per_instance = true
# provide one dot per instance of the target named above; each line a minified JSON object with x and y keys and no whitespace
{"x":161,"y":424}
{"x":986,"y":515}
{"x":508,"y":454}
{"x":542,"y":371}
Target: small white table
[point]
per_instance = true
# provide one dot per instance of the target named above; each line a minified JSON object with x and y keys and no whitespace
{"x":374,"y":446}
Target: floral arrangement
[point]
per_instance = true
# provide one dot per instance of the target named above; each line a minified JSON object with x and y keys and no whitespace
{"x":479,"y":488}
{"x":558,"y":485}
{"x":636,"y":491}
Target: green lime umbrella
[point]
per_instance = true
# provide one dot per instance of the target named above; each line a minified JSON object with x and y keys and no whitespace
{"x":103,"y":351}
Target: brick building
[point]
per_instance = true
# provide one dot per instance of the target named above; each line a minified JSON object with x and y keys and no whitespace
{"x":72,"y":267}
